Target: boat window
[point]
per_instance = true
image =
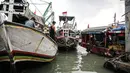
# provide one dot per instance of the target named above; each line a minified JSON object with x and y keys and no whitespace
{"x":66,"y":35}
{"x":18,"y":1}
{"x":18,"y":8}
{"x":1,"y":6}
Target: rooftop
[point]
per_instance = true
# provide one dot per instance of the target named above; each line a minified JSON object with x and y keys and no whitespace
{"x":95,"y":29}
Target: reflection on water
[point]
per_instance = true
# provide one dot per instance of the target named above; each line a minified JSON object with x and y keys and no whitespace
{"x":71,"y":61}
{"x":80,"y":53}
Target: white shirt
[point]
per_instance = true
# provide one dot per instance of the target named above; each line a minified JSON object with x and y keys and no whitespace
{"x":3,"y":17}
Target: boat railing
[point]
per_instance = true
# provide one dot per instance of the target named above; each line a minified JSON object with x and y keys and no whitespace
{"x":67,"y":33}
{"x":13,"y":8}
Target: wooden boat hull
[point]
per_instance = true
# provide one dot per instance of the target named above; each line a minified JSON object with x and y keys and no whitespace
{"x":21,"y":43}
{"x":119,"y":64}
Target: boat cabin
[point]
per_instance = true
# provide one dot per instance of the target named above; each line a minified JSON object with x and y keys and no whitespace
{"x":96,"y":34}
{"x":115,"y":38}
{"x":66,"y":33}
{"x":104,"y":39}
{"x":67,"y":28}
{"x":18,"y":11}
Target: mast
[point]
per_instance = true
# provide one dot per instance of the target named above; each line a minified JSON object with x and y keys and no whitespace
{"x":10,"y":15}
{"x":51,"y":15}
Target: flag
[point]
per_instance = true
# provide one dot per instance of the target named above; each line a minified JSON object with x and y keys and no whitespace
{"x":88,"y":25}
{"x":64,"y":13}
{"x":35,"y":11}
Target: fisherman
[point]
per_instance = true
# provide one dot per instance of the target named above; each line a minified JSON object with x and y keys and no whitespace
{"x":61,"y":33}
{"x":31,"y":22}
{"x":52,"y":30}
{"x":89,"y":44}
{"x":3,"y":18}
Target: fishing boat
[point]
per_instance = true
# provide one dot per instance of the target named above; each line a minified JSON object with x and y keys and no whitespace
{"x":19,"y":43}
{"x":66,"y":36}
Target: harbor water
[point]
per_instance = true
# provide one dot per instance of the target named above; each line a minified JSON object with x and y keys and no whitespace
{"x":71,"y":61}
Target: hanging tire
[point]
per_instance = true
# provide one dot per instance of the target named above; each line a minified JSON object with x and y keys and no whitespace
{"x":105,"y":64}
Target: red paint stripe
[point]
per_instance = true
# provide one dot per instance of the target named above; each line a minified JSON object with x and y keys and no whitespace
{"x":35,"y":54}
{"x":28,"y":53}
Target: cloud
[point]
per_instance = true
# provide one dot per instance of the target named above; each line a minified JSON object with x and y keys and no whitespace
{"x":93,"y":12}
{"x":104,"y":16}
{"x":101,"y":19}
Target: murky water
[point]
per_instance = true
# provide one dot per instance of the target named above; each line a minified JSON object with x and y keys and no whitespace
{"x":72,"y":61}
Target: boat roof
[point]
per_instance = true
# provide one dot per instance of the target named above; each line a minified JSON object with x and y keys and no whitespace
{"x":94,"y":30}
{"x":63,"y":18}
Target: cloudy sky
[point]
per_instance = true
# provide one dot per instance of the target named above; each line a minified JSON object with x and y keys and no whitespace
{"x":92,"y":12}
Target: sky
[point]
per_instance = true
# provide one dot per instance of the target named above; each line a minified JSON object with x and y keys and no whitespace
{"x":93,"y":12}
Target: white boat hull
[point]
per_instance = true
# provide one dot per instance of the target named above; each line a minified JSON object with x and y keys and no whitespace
{"x":25,"y":44}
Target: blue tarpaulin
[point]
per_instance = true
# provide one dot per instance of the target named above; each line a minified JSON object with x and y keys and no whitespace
{"x":119,"y":27}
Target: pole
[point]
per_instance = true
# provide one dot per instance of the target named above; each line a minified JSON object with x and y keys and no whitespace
{"x":10,"y":15}
{"x":46,"y":11}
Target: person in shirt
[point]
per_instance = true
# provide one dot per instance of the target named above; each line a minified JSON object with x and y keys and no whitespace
{"x":31,"y":22}
{"x":52,"y":30}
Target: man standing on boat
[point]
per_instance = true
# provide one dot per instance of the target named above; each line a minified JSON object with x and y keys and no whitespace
{"x":89,"y":44}
{"x":52,"y":30}
{"x":31,"y":22}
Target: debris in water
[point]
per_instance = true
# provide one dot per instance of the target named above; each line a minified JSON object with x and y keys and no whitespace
{"x":81,"y":50}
